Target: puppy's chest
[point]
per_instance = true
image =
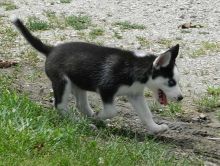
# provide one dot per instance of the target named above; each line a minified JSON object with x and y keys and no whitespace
{"x":134,"y":89}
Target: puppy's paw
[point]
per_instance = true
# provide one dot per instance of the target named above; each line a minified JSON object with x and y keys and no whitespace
{"x":158,"y":129}
{"x":163,"y":127}
{"x":95,"y":115}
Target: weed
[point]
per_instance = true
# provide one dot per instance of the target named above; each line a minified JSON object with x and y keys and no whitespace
{"x":117,"y":35}
{"x":8,"y":5}
{"x":9,"y":34}
{"x":35,"y":24}
{"x":215,"y":91}
{"x":165,"y":42}
{"x":62,"y":37}
{"x":147,"y":93}
{"x":65,"y":1}
{"x":31,"y":57}
{"x":123,"y":98}
{"x":55,"y":21}
{"x":35,"y":75}
{"x":99,"y":43}
{"x":82,"y":35}
{"x":208,"y":103}
{"x":206,"y":48}
{"x":78,"y":22}
{"x":143,"y":41}
{"x":172,"y":110}
{"x":211,"y":46}
{"x":96,"y":32}
{"x":126,"y":25}
{"x":198,"y":52}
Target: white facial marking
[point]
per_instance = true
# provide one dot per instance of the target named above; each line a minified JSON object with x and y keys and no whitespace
{"x":172,"y":92}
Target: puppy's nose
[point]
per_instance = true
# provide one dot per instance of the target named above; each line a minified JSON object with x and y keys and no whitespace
{"x":179,"y":98}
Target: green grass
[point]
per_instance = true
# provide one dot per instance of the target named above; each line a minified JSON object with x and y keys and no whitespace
{"x":94,"y":33}
{"x":210,"y":101}
{"x":206,"y":48}
{"x":78,"y":22}
{"x":36,"y":24}
{"x":173,"y":109}
{"x":8,"y":5}
{"x":215,"y":91}
{"x":65,"y":1}
{"x":33,"y":135}
{"x":126,"y":25}
{"x":148,"y":93}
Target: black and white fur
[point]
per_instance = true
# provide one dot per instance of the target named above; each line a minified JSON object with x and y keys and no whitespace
{"x":78,"y":67}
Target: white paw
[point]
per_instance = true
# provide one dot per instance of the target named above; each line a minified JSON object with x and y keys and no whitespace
{"x":158,"y":129}
{"x":163,"y":127}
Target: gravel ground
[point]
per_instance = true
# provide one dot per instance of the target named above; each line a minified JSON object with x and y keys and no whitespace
{"x":161,"y":20}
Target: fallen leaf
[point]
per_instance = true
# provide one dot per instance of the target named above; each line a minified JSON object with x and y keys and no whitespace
{"x":190,"y":25}
{"x":7,"y":64}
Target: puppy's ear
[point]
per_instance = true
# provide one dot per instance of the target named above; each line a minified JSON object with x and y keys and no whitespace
{"x":174,"y":51}
{"x":167,"y":57}
{"x":162,"y":60}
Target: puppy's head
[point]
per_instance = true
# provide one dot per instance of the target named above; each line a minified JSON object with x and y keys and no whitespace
{"x":164,"y":81}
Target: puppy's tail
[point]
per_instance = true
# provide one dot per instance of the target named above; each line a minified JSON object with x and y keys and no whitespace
{"x":34,"y":41}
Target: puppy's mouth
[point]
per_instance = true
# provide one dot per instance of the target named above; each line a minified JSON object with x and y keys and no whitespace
{"x":162,"y":97}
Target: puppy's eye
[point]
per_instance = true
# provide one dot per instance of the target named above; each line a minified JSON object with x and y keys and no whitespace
{"x":171,"y":82}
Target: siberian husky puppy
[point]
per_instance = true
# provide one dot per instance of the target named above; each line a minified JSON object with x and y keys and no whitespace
{"x":78,"y":67}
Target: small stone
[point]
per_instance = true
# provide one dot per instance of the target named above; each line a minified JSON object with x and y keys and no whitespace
{"x":202,"y":116}
{"x":195,"y":119}
{"x":182,"y":16}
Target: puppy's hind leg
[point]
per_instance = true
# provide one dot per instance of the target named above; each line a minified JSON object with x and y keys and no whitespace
{"x":109,"y":110}
{"x":62,"y":90}
{"x":82,"y":101}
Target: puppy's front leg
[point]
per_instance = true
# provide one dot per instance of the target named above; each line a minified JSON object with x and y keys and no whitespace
{"x":108,"y":112}
{"x":143,"y":111}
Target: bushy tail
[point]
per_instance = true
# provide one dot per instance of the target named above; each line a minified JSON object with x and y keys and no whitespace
{"x":34,"y":41}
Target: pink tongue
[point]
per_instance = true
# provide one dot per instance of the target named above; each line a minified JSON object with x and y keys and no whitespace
{"x":162,"y":97}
